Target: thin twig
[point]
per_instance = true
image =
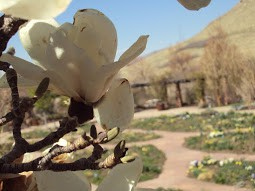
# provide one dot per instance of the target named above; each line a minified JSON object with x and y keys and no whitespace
{"x":81,"y":164}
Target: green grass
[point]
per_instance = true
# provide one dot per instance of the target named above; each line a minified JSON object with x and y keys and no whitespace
{"x":4,"y":148}
{"x":153,"y":160}
{"x":238,"y":173}
{"x":206,"y":121}
{"x":131,"y":137}
{"x":36,"y":134}
{"x":236,"y":142}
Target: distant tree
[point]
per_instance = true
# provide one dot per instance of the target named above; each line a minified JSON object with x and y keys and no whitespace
{"x":244,"y":80}
{"x":180,"y":64}
{"x":217,"y":62}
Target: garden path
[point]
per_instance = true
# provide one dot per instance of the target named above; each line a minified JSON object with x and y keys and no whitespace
{"x":177,"y":162}
{"x":179,"y":157}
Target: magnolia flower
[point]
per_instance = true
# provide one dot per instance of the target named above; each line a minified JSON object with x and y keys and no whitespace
{"x":31,"y":9}
{"x":79,"y":60}
{"x":194,"y":4}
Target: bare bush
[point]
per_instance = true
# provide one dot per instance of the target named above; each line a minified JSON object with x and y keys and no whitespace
{"x":219,"y":58}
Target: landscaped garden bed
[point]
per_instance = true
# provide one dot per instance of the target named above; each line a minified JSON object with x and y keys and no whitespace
{"x":204,"y":122}
{"x":238,"y":141}
{"x":229,"y":171}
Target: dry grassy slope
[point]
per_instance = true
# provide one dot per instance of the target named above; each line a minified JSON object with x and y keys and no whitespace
{"x":238,"y":23}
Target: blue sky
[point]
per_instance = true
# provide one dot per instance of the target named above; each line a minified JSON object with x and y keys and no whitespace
{"x":166,"y":21}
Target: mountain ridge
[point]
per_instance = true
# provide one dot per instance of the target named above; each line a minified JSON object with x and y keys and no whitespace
{"x":238,"y":24}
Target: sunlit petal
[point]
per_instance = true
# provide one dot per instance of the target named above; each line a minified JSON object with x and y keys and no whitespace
{"x":24,"y":68}
{"x":31,"y":9}
{"x":6,"y":4}
{"x":116,"y":108}
{"x":34,"y":37}
{"x":123,"y":177}
{"x":135,"y":50}
{"x":59,"y":87}
{"x":96,"y":35}
{"x":67,"y":60}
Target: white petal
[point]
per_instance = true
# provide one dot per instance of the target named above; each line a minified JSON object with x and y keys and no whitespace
{"x":94,"y":84}
{"x":67,"y":61}
{"x":194,"y":4}
{"x":61,"y":88}
{"x":135,"y":50}
{"x":108,"y":72}
{"x":116,"y":108}
{"x":24,"y":68}
{"x":34,"y":37}
{"x":123,"y":177}
{"x":96,"y":35}
{"x":61,"y":181}
{"x":32,"y":75}
{"x":39,"y":9}
{"x":69,"y":30}
{"x":6,"y":4}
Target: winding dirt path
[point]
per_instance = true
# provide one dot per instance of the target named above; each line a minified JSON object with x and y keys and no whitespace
{"x":179,"y":157}
{"x":177,"y":162}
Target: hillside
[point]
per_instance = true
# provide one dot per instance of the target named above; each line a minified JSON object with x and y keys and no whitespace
{"x":238,"y":23}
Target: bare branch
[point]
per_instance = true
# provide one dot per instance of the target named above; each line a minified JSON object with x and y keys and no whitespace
{"x":8,"y":27}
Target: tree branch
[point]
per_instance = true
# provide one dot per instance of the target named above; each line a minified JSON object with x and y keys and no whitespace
{"x":8,"y":27}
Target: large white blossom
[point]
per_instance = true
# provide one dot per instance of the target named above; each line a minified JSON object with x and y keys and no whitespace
{"x":79,"y":60}
{"x":194,"y":4}
{"x":33,"y":9}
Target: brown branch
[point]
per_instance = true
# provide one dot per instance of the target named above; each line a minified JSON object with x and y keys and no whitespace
{"x":12,"y":79}
{"x":8,"y":27}
{"x":19,"y":108}
{"x":80,"y":143}
{"x":7,"y":118}
{"x":81,"y":164}
{"x":67,"y":125}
